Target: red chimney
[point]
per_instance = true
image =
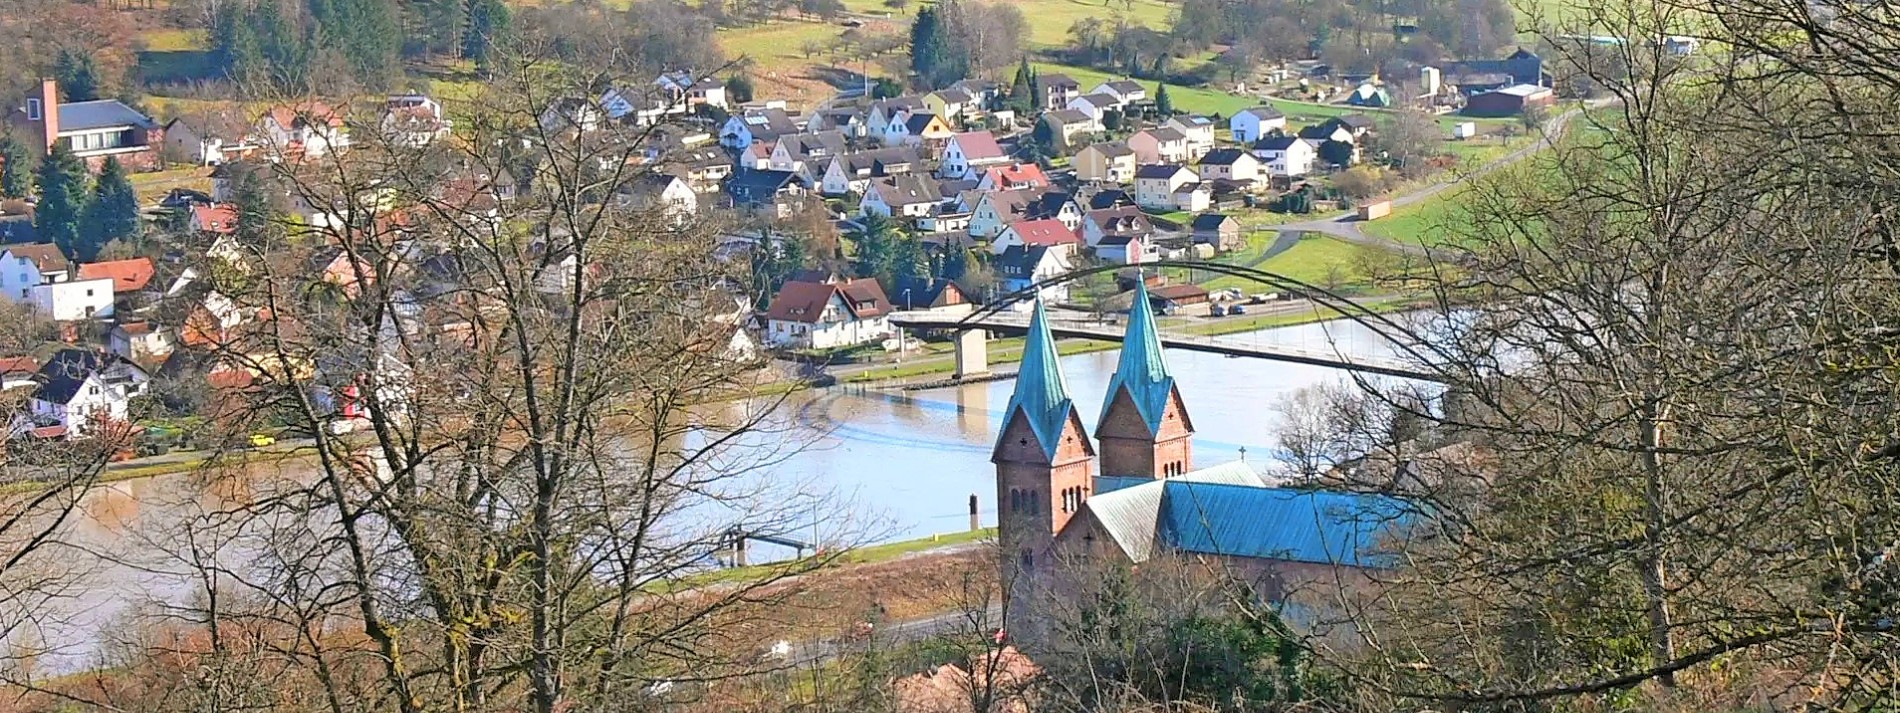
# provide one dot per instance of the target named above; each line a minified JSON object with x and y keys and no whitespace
{"x":48,"y":111}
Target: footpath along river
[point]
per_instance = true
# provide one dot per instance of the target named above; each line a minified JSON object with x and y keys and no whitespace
{"x":897,"y":465}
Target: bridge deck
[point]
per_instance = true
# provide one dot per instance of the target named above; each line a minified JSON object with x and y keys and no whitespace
{"x":997,"y":323}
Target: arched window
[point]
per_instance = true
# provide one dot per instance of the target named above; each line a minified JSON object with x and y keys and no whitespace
{"x":1029,"y":560}
{"x":1015,"y":500}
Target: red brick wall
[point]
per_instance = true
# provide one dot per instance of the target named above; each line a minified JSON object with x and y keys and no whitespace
{"x":1128,"y":448}
{"x":1022,"y":468}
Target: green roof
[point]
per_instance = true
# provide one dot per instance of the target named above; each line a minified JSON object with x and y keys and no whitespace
{"x":1040,"y":391}
{"x":1143,"y":370}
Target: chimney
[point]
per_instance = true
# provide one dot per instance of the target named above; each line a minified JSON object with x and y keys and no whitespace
{"x":49,"y":111}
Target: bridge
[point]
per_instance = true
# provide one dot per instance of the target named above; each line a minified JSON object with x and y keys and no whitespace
{"x":972,"y":343}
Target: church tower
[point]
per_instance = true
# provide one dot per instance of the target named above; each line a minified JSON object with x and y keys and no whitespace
{"x":1144,"y":429}
{"x":1044,"y":461}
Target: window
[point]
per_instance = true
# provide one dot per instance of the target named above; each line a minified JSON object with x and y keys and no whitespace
{"x":33,"y":112}
{"x":1029,"y":559}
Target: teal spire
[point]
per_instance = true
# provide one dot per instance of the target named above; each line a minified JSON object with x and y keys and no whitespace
{"x":1040,"y":391}
{"x":1142,"y":370}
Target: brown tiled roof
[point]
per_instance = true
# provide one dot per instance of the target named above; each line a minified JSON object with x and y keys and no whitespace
{"x":1179,"y":292}
{"x":127,"y":275}
{"x":46,"y":255}
{"x":805,"y":301}
{"x":289,"y":116}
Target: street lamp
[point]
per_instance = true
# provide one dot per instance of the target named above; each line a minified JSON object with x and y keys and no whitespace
{"x":900,"y":329}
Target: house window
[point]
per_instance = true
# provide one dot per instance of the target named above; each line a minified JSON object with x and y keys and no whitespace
{"x":33,"y":112}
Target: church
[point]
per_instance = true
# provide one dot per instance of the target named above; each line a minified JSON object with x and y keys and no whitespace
{"x":1132,"y":491}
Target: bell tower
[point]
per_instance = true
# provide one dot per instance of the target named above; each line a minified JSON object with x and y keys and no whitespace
{"x":1144,"y":429}
{"x":1044,"y":460}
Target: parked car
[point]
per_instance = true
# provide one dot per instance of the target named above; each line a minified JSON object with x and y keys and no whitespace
{"x":1217,"y":311}
{"x":260,"y":440}
{"x":1237,"y":310}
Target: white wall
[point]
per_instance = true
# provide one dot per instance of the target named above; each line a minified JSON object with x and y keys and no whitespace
{"x":69,"y":301}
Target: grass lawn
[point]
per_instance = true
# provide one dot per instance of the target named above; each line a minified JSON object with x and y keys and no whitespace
{"x":1316,"y":259}
{"x":153,"y":186}
{"x":777,"y":45}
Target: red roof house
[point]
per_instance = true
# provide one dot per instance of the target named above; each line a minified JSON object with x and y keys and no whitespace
{"x":127,"y":275}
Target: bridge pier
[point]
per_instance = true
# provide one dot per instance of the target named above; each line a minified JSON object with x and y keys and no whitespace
{"x":973,"y":353}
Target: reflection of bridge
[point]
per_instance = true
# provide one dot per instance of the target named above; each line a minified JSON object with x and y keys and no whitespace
{"x":973,"y":350}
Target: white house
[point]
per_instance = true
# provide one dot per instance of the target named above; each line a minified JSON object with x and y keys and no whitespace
{"x":1229,"y":164}
{"x":1124,"y":90}
{"x":852,"y":172}
{"x":672,"y":195}
{"x":24,"y":267}
{"x":210,"y":139}
{"x":1021,"y":266}
{"x":1250,"y":125}
{"x":828,"y":314}
{"x":1199,"y":131}
{"x":885,"y":113}
{"x":911,"y":196}
{"x":414,"y":121}
{"x":968,"y":153}
{"x":572,"y":114}
{"x":751,"y":126}
{"x":1094,"y":106}
{"x":80,"y":389}
{"x":1155,"y":185}
{"x":792,"y":152}
{"x":139,"y":340}
{"x":995,"y":211}
{"x":1127,"y":249}
{"x":1049,"y":233}
{"x":309,"y":130}
{"x":1127,"y":220}
{"x":1286,"y":156}
{"x":1192,"y":197}
{"x":687,"y":90}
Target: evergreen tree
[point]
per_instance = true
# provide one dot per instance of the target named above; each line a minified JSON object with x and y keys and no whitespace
{"x":365,"y":33}
{"x":258,"y":220}
{"x":489,"y":25}
{"x":16,"y":168}
{"x":909,"y":262}
{"x":78,"y":75}
{"x":1164,"y":105}
{"x":926,"y":43}
{"x":113,"y":212}
{"x":877,"y":248}
{"x":62,"y":200}
{"x":1022,"y":91}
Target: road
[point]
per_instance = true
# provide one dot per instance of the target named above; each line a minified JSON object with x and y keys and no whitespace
{"x":971,"y":624}
{"x":1347,"y":227}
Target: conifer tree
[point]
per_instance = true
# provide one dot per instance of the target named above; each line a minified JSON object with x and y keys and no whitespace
{"x":16,"y":168}
{"x":113,"y":212}
{"x":62,"y":200}
{"x":78,"y":75}
{"x":1164,"y":105}
{"x":489,"y":25}
{"x":1022,"y":91}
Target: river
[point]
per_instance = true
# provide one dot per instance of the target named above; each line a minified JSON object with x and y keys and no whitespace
{"x":901,"y":464}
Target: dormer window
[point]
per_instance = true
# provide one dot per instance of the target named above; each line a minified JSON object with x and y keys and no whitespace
{"x":33,"y":110}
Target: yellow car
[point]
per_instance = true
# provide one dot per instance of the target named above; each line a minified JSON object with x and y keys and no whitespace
{"x":259,"y":440}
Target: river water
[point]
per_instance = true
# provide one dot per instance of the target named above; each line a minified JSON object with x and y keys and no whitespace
{"x":898,"y":464}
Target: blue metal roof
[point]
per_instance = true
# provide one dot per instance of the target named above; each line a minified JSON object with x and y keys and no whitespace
{"x":100,"y":114}
{"x":1040,"y":391}
{"x":1143,"y":371}
{"x":1315,"y":526}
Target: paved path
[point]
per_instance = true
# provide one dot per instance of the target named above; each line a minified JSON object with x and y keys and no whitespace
{"x":1347,"y":227}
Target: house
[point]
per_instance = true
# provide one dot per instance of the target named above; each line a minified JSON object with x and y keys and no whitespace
{"x":1066,"y":125}
{"x":81,"y":390}
{"x":828,"y":313}
{"x":1095,"y":106}
{"x":413,"y":121}
{"x":1199,"y":131}
{"x":211,"y":138}
{"x":1012,"y":177}
{"x":1229,"y":164}
{"x":985,"y":91}
{"x":911,"y":195}
{"x":852,"y":172}
{"x":1112,"y":162}
{"x":214,"y":219}
{"x":1159,"y":145}
{"x":1124,"y":91}
{"x":1522,"y":67}
{"x":1156,"y":184}
{"x":670,"y":194}
{"x":24,"y":267}
{"x":1369,"y":96}
{"x":889,"y":112}
{"x":754,"y":126}
{"x":929,"y":293}
{"x":306,"y":130}
{"x":1127,"y":249}
{"x":1052,"y":204}
{"x":1175,"y":299}
{"x":1250,"y":125}
{"x":967,"y":154}
{"x":704,"y":168}
{"x":127,"y":276}
{"x":19,"y":372}
{"x":1047,"y":232}
{"x":844,"y":120}
{"x":1103,"y":223}
{"x":1057,"y":90}
{"x":1510,"y":101}
{"x":918,"y":129}
{"x":952,"y":103}
{"x":92,"y":130}
{"x":765,"y":192}
{"x":689,"y":91}
{"x":995,"y":210}
{"x":572,"y":114}
{"x":140,"y":341}
{"x":74,"y":300}
{"x":792,"y":152}
{"x":1218,"y":230}
{"x":1285,"y":156}
{"x":1192,"y":197}
{"x":1327,"y":131}
{"x":1020,"y":267}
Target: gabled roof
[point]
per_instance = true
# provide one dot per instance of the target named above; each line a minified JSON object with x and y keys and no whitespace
{"x":804,"y":301}
{"x":1056,"y":80}
{"x":909,"y":189}
{"x":1041,"y":395}
{"x":45,"y":255}
{"x":1124,"y":86}
{"x":101,"y":114}
{"x":1025,"y":173}
{"x":1142,"y":370}
{"x":1160,"y":170}
{"x":216,"y":218}
{"x":1122,"y":220}
{"x":1311,"y":526}
{"x":829,"y":143}
{"x":1008,"y":203}
{"x":1129,"y":508}
{"x":1045,"y":202}
{"x":955,"y":95}
{"x":1165,"y":134}
{"x":1277,"y":143}
{"x":978,"y":146}
{"x":312,"y":112}
{"x":1067,"y":117}
{"x":127,"y":275}
{"x":1112,"y":149}
{"x":1262,"y":112}
{"x":1100,"y":101}
{"x":906,"y":103}
{"x":1224,"y":157}
{"x":922,"y":292}
{"x":1193,"y":120}
{"x":1210,"y":221}
{"x":1354,"y":121}
{"x":1043,"y":232}
{"x":63,"y":374}
{"x":919,"y":122}
{"x":758,"y":185}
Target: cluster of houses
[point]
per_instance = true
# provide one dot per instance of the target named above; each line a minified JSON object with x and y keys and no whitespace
{"x":1482,"y":88}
